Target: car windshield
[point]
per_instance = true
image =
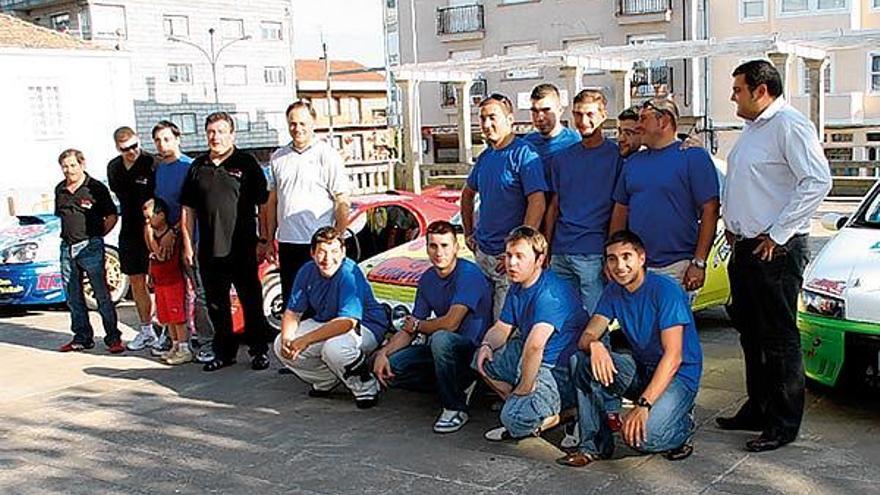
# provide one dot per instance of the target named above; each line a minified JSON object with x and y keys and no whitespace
{"x":868,"y":215}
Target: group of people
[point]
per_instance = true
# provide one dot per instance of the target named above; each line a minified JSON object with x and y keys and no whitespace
{"x":574,"y":232}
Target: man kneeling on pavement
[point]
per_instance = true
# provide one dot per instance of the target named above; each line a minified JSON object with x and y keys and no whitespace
{"x":662,"y":375}
{"x":524,"y":356}
{"x":459,"y":296}
{"x":348,"y":323}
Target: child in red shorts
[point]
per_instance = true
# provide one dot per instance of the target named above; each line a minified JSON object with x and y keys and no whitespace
{"x":169,"y":283}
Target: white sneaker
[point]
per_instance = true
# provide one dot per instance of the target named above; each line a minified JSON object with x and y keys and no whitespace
{"x":161,"y":345}
{"x":178,"y":356}
{"x":572,"y":436}
{"x":497,"y":434}
{"x":144,"y":338}
{"x":450,"y":421}
{"x":205,"y":354}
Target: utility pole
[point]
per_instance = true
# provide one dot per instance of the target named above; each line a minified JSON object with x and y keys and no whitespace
{"x":329,"y":91}
{"x":210,"y":54}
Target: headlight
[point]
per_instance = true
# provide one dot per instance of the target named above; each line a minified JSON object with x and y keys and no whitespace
{"x":20,"y":253}
{"x":823,"y":305}
{"x":398,"y":314}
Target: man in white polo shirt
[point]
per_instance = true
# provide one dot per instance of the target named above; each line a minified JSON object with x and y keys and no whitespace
{"x":308,"y":189}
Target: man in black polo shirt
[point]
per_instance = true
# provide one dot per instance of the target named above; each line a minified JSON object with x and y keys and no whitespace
{"x":87,"y":214}
{"x":222,"y":191}
{"x":132,"y":177}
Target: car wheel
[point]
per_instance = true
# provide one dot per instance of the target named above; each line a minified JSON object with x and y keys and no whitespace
{"x":273,"y":302}
{"x":117,"y":282}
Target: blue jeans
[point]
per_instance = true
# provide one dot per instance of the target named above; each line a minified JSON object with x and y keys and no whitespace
{"x":87,"y":258}
{"x":584,"y":271}
{"x":523,"y":415}
{"x":442,"y":364}
{"x":670,"y":422}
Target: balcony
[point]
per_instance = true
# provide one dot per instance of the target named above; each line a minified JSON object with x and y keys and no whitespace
{"x":648,"y":82}
{"x":18,"y":5}
{"x":463,"y":22}
{"x":448,"y":97}
{"x":643,"y":11}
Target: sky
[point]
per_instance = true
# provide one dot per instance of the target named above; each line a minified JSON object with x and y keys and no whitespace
{"x":352,"y":30}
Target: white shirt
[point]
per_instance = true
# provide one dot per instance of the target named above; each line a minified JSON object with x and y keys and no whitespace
{"x":777,"y":175}
{"x":306,"y":183}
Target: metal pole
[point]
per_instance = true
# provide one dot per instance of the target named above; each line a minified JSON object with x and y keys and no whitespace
{"x":213,"y":61}
{"x":417,"y":121}
{"x":329,"y":94}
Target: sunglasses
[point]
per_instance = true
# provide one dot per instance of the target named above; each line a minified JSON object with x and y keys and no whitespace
{"x":649,"y":105}
{"x":129,"y":148}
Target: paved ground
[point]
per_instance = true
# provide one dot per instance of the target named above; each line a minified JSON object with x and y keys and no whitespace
{"x":96,"y":423}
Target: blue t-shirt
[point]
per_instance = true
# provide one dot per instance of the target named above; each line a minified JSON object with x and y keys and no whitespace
{"x":466,"y":285}
{"x":660,"y":303}
{"x":553,"y":301}
{"x":345,"y":294}
{"x":548,"y":148}
{"x":665,"y":190}
{"x":169,"y":184}
{"x":504,"y":178}
{"x":584,"y":179}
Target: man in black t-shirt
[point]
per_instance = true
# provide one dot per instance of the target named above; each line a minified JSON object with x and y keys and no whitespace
{"x":132,"y":177}
{"x":222,"y":191}
{"x":87,"y":214}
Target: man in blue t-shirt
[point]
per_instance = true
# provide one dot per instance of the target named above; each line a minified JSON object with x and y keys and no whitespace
{"x":453,"y":308}
{"x":530,"y":370}
{"x":662,"y":375}
{"x":509,"y":177}
{"x":549,"y":137}
{"x":669,"y":197}
{"x":347,"y":323}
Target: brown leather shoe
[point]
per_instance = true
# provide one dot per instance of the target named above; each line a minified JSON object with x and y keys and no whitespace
{"x":576,"y":459}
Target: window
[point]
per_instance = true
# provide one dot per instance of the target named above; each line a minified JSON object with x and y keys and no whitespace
{"x":176,"y":25}
{"x":354,"y":110}
{"x":60,"y":22}
{"x":334,"y":106}
{"x":653,"y":77}
{"x":235,"y":75}
{"x":45,"y":110}
{"x":752,"y":10}
{"x":242,"y":121}
{"x":108,"y":21}
{"x":180,"y":73}
{"x":875,"y":4}
{"x":874,"y":72}
{"x":186,"y":122}
{"x":231,"y":28}
{"x":356,"y":147}
{"x":276,"y":121}
{"x":805,"y":77}
{"x":530,"y":49}
{"x":812,"y":6}
{"x":274,"y":76}
{"x":270,"y":31}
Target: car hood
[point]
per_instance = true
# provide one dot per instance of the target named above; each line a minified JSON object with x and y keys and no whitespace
{"x":848,"y":267}
{"x":35,"y":228}
{"x":404,"y":264}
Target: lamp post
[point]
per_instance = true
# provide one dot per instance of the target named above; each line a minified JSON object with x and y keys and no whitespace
{"x":210,"y":54}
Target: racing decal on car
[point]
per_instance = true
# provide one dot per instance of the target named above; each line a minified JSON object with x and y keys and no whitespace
{"x":399,"y":271}
{"x":7,"y":287}
{"x":830,"y":287}
{"x":50,"y":281}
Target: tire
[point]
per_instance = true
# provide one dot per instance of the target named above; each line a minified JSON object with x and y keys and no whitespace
{"x":117,"y":282}
{"x":273,"y":304}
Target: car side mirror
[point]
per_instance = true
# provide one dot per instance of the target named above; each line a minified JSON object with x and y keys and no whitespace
{"x":833,"y":221}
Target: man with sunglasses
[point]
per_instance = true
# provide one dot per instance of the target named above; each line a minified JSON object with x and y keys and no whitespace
{"x":509,"y":177}
{"x":668,"y":196}
{"x":132,"y":177}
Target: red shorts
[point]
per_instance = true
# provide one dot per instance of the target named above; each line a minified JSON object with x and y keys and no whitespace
{"x":170,"y":302}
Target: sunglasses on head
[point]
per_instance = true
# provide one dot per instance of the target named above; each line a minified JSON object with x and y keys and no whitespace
{"x":649,"y":105}
{"x":129,"y":148}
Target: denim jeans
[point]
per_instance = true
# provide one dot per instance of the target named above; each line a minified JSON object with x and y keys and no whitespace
{"x":87,"y":258}
{"x":442,"y":364}
{"x":197,"y":306}
{"x":670,"y":422}
{"x":585,"y":272}
{"x":500,"y":282}
{"x":523,"y":415}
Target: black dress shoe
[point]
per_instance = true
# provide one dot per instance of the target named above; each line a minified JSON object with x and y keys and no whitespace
{"x":260,"y":362}
{"x":217,"y":364}
{"x":319,"y":394}
{"x":764,"y":444}
{"x":366,"y":402}
{"x":738,"y":423}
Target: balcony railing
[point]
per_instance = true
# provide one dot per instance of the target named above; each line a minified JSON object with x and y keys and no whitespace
{"x":651,"y":81}
{"x":460,"y":19}
{"x":448,"y":97}
{"x":637,"y":7}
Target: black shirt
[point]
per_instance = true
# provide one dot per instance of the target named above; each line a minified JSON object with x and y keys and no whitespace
{"x":133,"y":187}
{"x":225,"y":198}
{"x":82,"y":212}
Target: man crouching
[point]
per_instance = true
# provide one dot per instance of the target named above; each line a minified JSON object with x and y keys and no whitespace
{"x":347,"y":324}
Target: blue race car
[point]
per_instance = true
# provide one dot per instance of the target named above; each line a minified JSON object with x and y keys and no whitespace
{"x":30,"y":268}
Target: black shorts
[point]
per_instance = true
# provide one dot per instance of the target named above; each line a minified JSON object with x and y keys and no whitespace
{"x":134,"y":257}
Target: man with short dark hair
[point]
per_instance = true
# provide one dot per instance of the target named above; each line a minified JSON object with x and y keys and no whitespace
{"x":348,"y":323}
{"x":509,"y":177}
{"x":87,"y":214}
{"x":223,"y":190}
{"x":550,"y":136}
{"x":131,"y":176}
{"x":662,"y":375}
{"x":453,"y":308}
{"x":628,"y":138}
{"x":777,"y":178}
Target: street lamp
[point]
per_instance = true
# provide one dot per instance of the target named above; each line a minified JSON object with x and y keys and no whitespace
{"x":211,"y":55}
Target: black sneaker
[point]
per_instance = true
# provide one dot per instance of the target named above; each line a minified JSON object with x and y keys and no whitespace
{"x":260,"y":362}
{"x":319,"y":394}
{"x":366,"y":402}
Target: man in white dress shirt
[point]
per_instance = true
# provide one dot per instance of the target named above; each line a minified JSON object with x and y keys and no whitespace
{"x":777,"y":178}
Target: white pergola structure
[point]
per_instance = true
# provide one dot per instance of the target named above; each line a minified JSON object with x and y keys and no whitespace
{"x":780,"y":49}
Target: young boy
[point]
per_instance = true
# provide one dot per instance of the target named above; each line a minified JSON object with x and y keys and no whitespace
{"x":169,"y":284}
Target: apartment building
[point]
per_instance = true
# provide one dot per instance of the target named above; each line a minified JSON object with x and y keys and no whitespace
{"x":851,"y":76}
{"x":190,"y":58}
{"x":473,"y":29}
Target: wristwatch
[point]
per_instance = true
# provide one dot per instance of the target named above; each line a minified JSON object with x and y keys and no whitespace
{"x":643,"y":402}
{"x":697,"y":262}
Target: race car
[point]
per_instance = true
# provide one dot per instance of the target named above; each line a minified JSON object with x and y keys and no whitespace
{"x":839,"y":305}
{"x":30,"y":266}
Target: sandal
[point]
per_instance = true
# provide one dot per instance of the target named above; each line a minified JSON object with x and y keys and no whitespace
{"x":577,"y":459}
{"x":679,"y":453}
{"x":217,"y":364}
